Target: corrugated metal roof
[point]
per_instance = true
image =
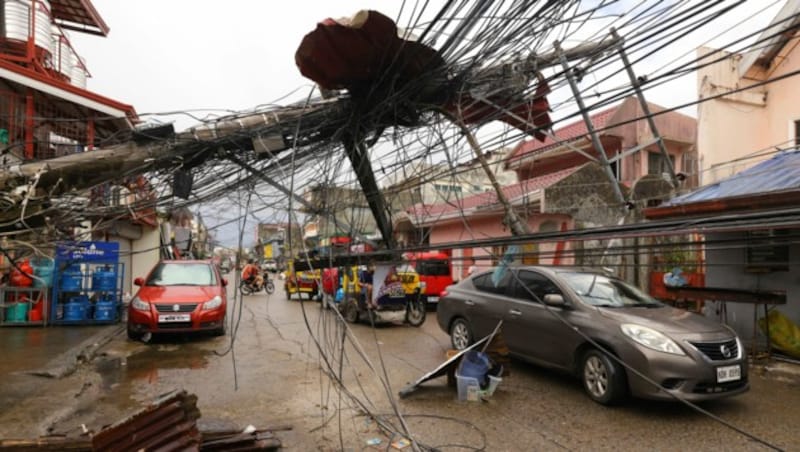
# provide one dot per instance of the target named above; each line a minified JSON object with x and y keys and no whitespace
{"x":779,"y":173}
{"x":568,"y":133}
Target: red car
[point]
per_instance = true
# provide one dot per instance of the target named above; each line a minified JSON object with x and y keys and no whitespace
{"x":179,"y":296}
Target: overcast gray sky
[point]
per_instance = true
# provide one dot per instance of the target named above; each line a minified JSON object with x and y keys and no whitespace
{"x":206,"y":56}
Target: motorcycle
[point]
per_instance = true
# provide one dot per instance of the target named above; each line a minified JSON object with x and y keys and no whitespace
{"x":257,"y":285}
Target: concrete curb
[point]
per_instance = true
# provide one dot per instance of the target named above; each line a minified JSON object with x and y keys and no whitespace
{"x":66,"y":363}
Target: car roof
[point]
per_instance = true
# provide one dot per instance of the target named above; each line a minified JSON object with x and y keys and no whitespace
{"x":553,"y":270}
{"x":185,"y":261}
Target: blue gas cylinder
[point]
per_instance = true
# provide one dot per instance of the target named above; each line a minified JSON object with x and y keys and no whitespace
{"x":104,"y":279}
{"x":77,"y":308}
{"x":43,"y":268}
{"x":105,"y":309}
{"x":71,"y":279}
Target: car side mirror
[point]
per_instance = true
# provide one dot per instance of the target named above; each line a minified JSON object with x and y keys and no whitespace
{"x":555,"y":300}
{"x":138,"y":282}
{"x":224,"y":282}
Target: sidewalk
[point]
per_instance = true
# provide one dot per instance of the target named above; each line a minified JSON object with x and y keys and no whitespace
{"x":54,"y":349}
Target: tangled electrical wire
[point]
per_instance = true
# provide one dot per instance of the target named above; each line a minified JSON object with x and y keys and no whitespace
{"x":491,"y":50}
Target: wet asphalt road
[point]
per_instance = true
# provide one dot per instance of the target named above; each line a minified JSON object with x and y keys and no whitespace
{"x":278,"y":373}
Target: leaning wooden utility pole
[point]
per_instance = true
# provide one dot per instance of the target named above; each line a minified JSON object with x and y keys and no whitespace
{"x":512,"y":220}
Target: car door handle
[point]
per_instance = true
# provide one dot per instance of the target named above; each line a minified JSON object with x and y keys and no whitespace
{"x":515,"y":312}
{"x":469,"y":303}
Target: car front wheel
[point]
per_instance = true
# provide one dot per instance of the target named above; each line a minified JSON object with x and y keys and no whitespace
{"x":603,"y":379}
{"x":134,"y":335}
{"x":223,"y":328}
{"x":460,"y":334}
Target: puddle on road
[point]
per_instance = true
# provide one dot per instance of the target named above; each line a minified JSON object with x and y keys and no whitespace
{"x":148,"y":365}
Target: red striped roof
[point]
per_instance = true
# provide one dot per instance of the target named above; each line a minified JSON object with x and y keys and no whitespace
{"x":489,"y":198}
{"x":567,"y":133}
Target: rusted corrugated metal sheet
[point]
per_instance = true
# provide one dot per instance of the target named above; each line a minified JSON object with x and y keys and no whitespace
{"x":169,"y":424}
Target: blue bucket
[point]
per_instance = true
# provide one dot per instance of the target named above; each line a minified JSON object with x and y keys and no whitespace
{"x":475,"y":364}
{"x":71,"y":279}
{"x":105,"y":310}
{"x":104,"y":280}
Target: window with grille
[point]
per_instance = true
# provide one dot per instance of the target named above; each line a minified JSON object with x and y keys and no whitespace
{"x":657,"y":164}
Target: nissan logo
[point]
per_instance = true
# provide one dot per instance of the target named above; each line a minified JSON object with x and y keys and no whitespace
{"x":177,"y":307}
{"x":726,"y":351}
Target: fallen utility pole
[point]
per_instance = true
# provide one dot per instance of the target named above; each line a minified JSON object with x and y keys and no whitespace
{"x":517,"y":226}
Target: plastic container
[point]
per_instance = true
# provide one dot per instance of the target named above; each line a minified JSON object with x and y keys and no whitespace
{"x":43,"y":268}
{"x":468,"y":388}
{"x":493,"y":382}
{"x":71,"y":279}
{"x":476,"y":365}
{"x":104,"y":280}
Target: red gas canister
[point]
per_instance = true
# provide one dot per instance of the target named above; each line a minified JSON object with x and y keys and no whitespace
{"x":20,"y":279}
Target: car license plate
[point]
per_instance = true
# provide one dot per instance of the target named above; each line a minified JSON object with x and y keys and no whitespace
{"x":433,"y":299}
{"x":169,"y":318}
{"x":728,"y":373}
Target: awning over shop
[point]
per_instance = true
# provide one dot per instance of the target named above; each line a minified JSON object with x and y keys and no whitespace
{"x":769,"y":184}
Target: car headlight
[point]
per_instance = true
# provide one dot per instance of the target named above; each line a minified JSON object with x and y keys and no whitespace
{"x":651,"y":338}
{"x":139,"y":305}
{"x":213,"y":303}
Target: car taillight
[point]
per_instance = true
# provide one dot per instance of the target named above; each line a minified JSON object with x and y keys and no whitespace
{"x":444,"y":293}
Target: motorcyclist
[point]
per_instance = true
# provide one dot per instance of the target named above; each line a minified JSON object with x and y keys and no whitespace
{"x":249,"y":272}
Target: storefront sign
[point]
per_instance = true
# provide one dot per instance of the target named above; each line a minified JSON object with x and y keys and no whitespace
{"x":98,"y":252}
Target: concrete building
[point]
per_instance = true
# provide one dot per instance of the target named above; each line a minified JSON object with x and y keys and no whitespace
{"x":49,"y":111}
{"x":737,"y":99}
{"x":748,"y":133}
{"x":429,"y":184}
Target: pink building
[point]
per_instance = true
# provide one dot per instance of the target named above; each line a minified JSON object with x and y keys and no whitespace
{"x":560,"y":187}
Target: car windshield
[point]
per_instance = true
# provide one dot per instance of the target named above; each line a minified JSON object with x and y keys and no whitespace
{"x":600,"y":290}
{"x":182,"y":274}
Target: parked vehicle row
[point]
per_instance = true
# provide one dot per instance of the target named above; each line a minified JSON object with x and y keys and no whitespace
{"x":616,"y":339}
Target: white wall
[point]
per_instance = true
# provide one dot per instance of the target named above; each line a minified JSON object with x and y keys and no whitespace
{"x":731,"y":274}
{"x":145,"y":256}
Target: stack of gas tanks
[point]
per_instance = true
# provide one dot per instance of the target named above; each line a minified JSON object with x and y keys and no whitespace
{"x":89,"y":293}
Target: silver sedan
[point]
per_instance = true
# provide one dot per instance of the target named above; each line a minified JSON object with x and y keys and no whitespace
{"x":614,"y":337}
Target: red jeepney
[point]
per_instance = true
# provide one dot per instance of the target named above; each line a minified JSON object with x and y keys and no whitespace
{"x":435,"y":272}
